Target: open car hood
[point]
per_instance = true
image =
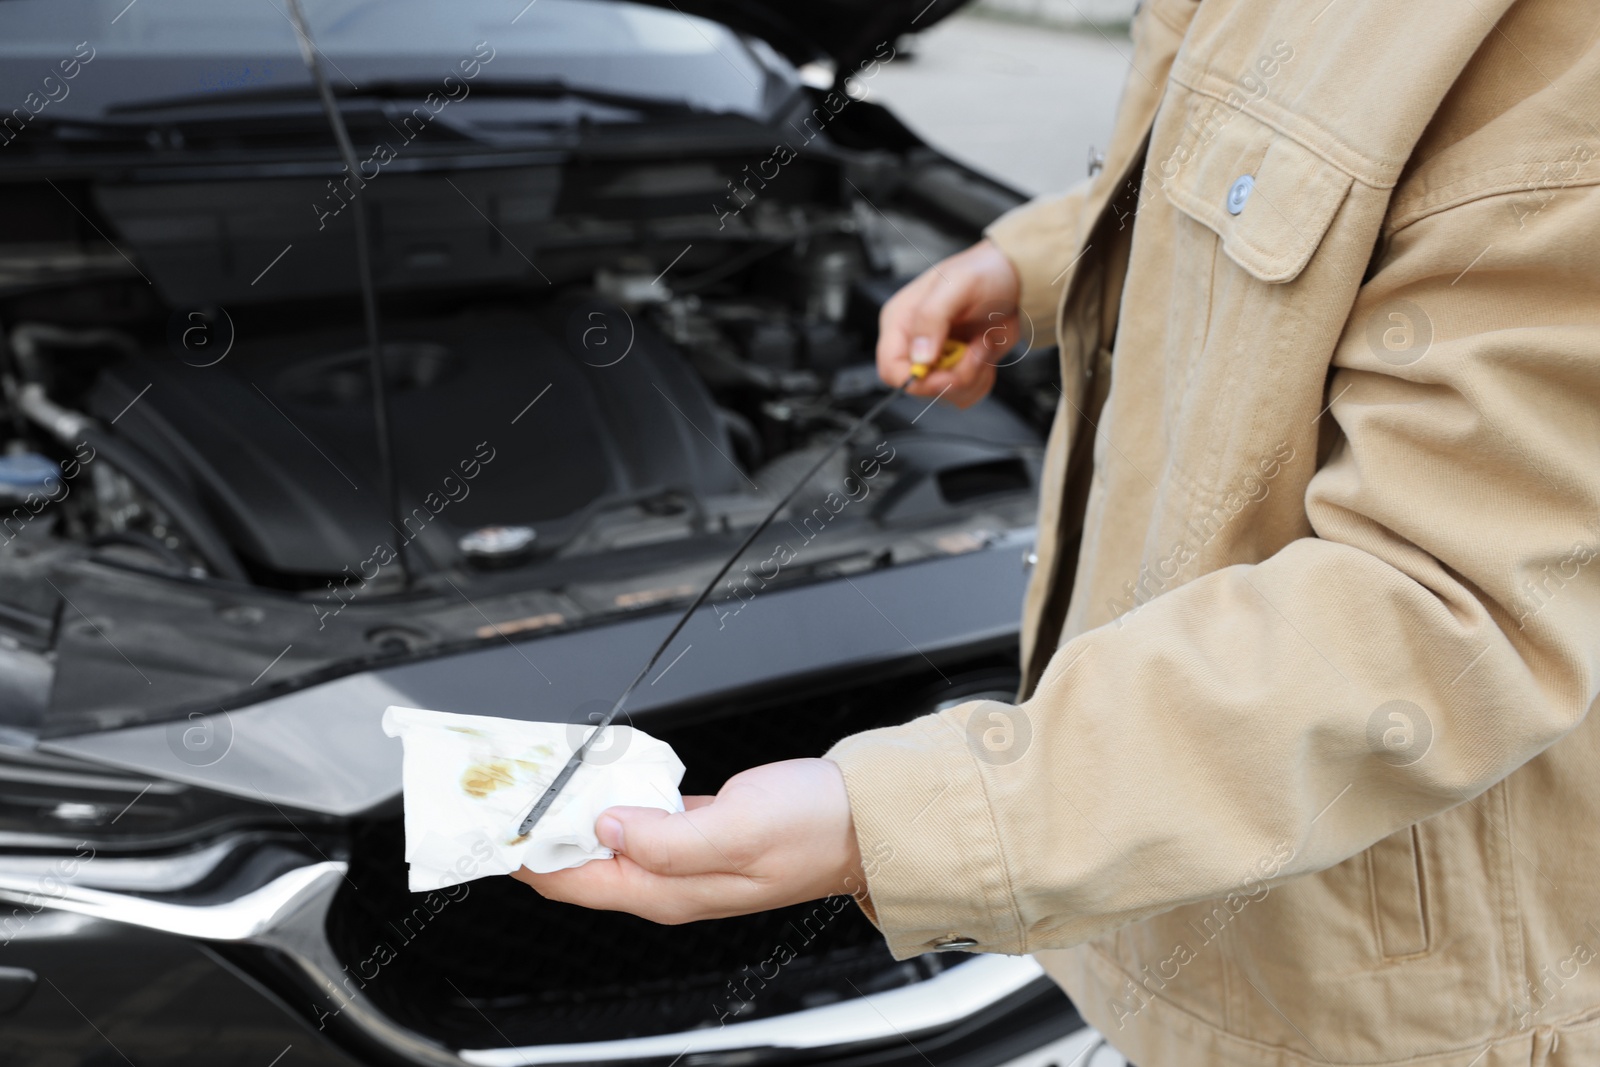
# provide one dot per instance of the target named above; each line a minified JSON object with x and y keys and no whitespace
{"x":846,"y":31}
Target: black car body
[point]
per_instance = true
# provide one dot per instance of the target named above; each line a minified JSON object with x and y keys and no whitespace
{"x":628,"y":263}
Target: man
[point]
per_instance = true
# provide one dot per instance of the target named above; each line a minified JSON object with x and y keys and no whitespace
{"x":1315,"y":622}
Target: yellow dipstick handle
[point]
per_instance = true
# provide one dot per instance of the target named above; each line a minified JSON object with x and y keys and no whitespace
{"x":949,"y":355}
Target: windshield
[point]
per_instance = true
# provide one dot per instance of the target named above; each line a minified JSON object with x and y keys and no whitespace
{"x":75,"y":59}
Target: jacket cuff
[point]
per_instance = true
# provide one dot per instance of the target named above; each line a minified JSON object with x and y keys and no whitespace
{"x":936,"y":878}
{"x":1040,"y":240}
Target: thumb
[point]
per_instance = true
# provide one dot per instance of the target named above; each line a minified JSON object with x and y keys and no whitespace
{"x":931,"y":321}
{"x":663,"y":842}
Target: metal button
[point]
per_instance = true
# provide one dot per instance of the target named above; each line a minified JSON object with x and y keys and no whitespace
{"x":1030,"y":560}
{"x":1097,"y":161}
{"x":954,"y":944}
{"x":1239,"y":193}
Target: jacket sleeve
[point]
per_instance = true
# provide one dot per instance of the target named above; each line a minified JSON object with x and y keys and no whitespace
{"x":1264,"y":721}
{"x":1040,"y":238}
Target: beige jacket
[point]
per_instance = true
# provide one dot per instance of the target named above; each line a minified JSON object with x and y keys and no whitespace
{"x":1303,"y":774}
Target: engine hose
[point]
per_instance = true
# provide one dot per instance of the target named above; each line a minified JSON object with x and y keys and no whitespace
{"x":71,"y":427}
{"x":27,"y":338}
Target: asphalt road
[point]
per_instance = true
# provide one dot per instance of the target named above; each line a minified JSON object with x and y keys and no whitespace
{"x":1022,"y":103}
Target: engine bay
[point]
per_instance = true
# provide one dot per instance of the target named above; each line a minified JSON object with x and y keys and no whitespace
{"x":582,"y":440}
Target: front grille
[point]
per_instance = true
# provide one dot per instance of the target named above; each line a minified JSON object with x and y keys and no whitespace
{"x":502,"y":965}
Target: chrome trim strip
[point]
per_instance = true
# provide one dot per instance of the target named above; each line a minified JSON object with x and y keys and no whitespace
{"x":946,"y":998}
{"x":171,"y":873}
{"x":10,"y":772}
{"x":241,"y":919}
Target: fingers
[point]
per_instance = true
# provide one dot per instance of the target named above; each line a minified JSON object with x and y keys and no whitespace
{"x":993,"y":337}
{"x":776,"y":834}
{"x":669,"y":843}
{"x":895,"y":328}
{"x":942,"y":305}
{"x":622,"y":885}
{"x":973,"y":378}
{"x":963,"y":380}
{"x":971,"y":295}
{"x":920,"y":324}
{"x":667,"y":869}
{"x":967,"y":382}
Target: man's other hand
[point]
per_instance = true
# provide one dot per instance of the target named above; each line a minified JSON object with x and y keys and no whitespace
{"x":971,"y":296}
{"x":774,"y":835}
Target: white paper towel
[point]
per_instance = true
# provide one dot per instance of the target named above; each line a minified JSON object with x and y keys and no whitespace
{"x":470,"y":779}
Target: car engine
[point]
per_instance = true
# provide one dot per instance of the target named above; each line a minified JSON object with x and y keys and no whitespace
{"x":584,"y":443}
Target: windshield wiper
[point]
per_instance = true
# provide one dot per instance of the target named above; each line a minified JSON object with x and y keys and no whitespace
{"x":413,"y":89}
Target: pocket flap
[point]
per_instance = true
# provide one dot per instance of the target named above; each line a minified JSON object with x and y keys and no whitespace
{"x":1285,"y":212}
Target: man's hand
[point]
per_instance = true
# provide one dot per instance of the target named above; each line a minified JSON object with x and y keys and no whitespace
{"x":971,"y":296}
{"x":774,"y":835}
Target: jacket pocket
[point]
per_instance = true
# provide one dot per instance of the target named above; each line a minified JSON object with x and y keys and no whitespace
{"x":1269,"y":198}
{"x":1254,"y":216}
{"x":1396,"y":872}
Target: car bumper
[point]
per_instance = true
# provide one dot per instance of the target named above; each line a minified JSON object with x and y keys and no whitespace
{"x":987,"y":1011}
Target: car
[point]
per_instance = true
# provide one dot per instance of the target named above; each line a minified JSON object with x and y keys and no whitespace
{"x":449,"y":387}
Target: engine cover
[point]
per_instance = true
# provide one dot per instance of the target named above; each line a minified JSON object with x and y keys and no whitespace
{"x":497,"y":420}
